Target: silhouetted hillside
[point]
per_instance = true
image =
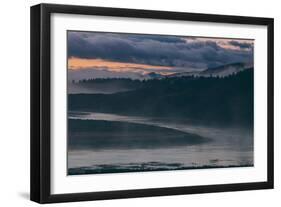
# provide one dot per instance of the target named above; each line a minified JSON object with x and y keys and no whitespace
{"x":227,"y":100}
{"x":103,"y":85}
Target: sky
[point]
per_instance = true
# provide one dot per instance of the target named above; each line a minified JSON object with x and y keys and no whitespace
{"x":117,"y":54}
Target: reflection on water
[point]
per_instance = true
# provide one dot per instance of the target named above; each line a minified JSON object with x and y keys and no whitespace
{"x":229,"y":147}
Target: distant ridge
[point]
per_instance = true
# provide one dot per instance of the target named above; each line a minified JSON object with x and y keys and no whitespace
{"x":225,"y":70}
{"x":153,"y":75}
{"x":93,"y":82}
{"x":220,"y":71}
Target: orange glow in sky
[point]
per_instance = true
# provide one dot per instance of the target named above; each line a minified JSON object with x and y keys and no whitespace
{"x":82,"y":63}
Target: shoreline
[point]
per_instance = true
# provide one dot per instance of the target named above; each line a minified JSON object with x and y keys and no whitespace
{"x":89,"y":170}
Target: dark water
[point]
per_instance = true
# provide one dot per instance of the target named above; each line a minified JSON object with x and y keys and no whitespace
{"x":189,"y":147}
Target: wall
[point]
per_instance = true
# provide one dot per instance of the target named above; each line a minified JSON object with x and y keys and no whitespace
{"x":14,"y":110}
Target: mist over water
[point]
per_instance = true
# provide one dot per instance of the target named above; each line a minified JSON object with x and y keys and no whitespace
{"x":229,"y":147}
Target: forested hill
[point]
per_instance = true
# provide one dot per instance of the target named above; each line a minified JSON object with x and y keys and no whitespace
{"x":227,"y":100}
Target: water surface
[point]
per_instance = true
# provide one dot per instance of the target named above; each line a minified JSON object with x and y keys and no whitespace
{"x":226,"y":147}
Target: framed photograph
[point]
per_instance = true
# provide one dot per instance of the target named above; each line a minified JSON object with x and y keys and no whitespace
{"x":133,"y":103}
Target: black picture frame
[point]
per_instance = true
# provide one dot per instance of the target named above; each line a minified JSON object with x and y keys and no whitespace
{"x":41,"y":95}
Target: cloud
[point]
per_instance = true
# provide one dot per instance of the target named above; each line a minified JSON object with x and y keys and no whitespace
{"x":222,"y":42}
{"x":242,"y":45}
{"x":159,"y":50}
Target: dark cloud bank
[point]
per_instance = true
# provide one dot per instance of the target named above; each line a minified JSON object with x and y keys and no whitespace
{"x":161,"y":50}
